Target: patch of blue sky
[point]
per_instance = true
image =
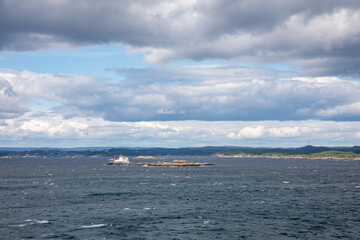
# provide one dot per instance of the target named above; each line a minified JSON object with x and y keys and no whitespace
{"x":197,"y":63}
{"x":92,"y":61}
{"x":286,"y":67}
{"x":283,"y":67}
{"x":37,"y":104}
{"x":350,"y":78}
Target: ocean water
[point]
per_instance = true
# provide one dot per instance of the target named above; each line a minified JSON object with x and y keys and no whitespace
{"x":58,"y":198}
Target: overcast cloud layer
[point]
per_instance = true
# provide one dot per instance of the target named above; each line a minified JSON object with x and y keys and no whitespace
{"x":320,"y":37}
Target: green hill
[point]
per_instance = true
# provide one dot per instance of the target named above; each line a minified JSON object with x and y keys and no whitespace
{"x":305,"y":152}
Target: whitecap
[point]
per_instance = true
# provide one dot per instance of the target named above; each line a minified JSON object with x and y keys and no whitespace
{"x":36,"y":221}
{"x":126,"y":209}
{"x":94,"y":225}
{"x":41,"y":221}
{"x":207,"y":222}
{"x":173,"y":184}
{"x":286,"y":182}
{"x":18,"y":225}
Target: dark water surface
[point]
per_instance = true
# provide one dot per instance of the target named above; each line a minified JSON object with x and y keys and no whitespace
{"x":234,"y":199}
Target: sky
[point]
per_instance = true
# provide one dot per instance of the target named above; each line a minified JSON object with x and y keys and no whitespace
{"x":190,"y":73}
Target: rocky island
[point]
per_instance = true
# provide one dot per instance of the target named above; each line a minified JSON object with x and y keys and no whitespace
{"x":148,"y":157}
{"x":175,"y":163}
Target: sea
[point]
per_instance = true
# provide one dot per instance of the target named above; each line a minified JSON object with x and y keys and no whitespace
{"x":249,"y":198}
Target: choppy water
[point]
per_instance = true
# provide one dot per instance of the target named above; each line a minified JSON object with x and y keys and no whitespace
{"x":234,"y":199}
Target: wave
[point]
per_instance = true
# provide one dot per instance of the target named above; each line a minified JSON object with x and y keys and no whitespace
{"x":94,"y":225}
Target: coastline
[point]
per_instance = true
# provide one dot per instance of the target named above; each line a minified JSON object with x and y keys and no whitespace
{"x":283,"y":157}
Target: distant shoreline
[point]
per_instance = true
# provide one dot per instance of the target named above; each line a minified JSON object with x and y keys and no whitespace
{"x":215,"y":155}
{"x":309,"y":152}
{"x":285,"y":157}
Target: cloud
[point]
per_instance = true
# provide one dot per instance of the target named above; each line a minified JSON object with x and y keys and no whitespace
{"x":290,"y":131}
{"x":10,"y":102}
{"x":271,"y":132}
{"x":248,"y":132}
{"x":207,"y":93}
{"x":53,"y":130}
{"x":347,"y":111}
{"x":320,"y":37}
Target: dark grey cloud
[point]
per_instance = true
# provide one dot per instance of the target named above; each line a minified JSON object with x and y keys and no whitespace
{"x":37,"y":24}
{"x":209,"y":93}
{"x":260,"y":16}
{"x":330,"y":66}
{"x":295,"y":31}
